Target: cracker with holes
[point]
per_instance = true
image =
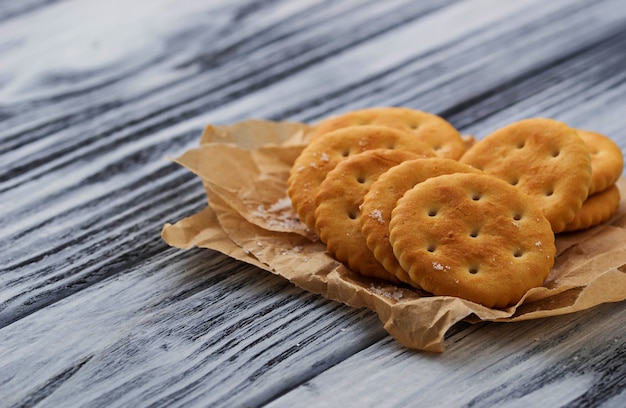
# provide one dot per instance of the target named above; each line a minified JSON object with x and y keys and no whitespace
{"x":338,"y":208}
{"x":324,"y":152}
{"x":472,"y":236}
{"x":381,"y":199}
{"x":431,"y":129}
{"x":545,"y":159}
{"x":607,"y":161}
{"x":596,"y":209}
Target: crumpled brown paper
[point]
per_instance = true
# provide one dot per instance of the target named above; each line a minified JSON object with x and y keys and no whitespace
{"x":244,"y":169}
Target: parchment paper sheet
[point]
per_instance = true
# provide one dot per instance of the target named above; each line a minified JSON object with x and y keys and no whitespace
{"x":244,"y":169}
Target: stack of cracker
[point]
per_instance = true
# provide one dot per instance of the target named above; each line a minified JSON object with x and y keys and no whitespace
{"x":398,"y":194}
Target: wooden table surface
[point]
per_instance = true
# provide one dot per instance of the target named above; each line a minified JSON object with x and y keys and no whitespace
{"x":96,"y":310}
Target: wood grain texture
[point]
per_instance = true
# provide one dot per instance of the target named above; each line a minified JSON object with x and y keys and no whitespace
{"x":95,"y":310}
{"x":184,"y":328}
{"x":547,"y":363}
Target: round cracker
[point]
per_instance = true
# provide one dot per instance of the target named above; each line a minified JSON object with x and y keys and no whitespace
{"x":472,"y":236}
{"x":607,"y":162}
{"x":431,"y":129}
{"x":338,"y":205}
{"x":381,"y":199}
{"x":544,"y":158}
{"x":323,"y":154}
{"x":596,"y":209}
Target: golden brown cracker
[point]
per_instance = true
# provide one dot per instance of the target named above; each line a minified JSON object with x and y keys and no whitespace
{"x":323,"y":154}
{"x":468,"y":141}
{"x":338,"y":206}
{"x":544,"y":158}
{"x":596,"y":209}
{"x":381,"y":199}
{"x":472,"y":236}
{"x":431,"y":129}
{"x":607,"y":162}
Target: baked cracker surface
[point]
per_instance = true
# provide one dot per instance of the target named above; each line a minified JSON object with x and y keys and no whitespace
{"x":381,"y":199}
{"x":607,"y":162}
{"x":338,"y":205}
{"x":545,"y":159}
{"x":596,"y":209}
{"x":472,"y":236}
{"x":431,"y":129}
{"x":323,"y":153}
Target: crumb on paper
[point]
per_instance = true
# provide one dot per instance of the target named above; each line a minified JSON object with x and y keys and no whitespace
{"x":291,"y":251}
{"x":395,"y":294}
{"x":279,"y":215}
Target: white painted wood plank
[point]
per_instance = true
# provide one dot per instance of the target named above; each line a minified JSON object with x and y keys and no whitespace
{"x":505,"y":40}
{"x":57,"y":192}
{"x":544,"y":363}
{"x":183,"y":329}
{"x":60,"y":185}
